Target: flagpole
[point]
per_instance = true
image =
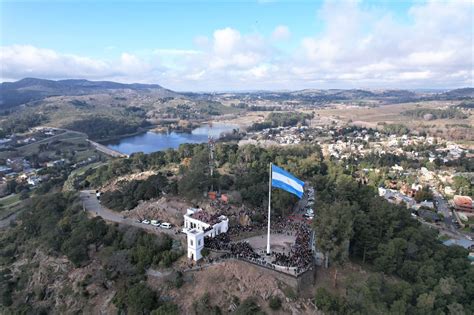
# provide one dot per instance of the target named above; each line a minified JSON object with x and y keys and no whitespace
{"x":269,"y":208}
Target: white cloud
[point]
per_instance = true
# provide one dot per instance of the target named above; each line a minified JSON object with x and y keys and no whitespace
{"x":281,"y":32}
{"x":359,"y":46}
{"x":225,"y":41}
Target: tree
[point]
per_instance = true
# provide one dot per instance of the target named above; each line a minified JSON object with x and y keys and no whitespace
{"x":333,"y":226}
{"x":141,"y":299}
{"x":249,"y":307}
{"x":274,"y":302}
{"x":166,"y":309}
{"x":195,"y":179}
{"x":463,"y":186}
{"x":424,"y":194}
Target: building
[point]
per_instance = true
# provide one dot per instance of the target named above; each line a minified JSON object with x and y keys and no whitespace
{"x":467,"y":244}
{"x":463,"y":203}
{"x":199,"y":224}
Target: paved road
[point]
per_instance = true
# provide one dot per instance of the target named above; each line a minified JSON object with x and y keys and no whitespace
{"x":443,"y":207}
{"x":92,"y":205}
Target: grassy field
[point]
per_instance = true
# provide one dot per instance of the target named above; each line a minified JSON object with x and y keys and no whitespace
{"x":65,"y":143}
{"x":9,"y":204}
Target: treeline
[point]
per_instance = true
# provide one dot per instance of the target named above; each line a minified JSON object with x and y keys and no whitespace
{"x":352,"y":222}
{"x":104,"y":127}
{"x":285,"y":119}
{"x":246,"y":178}
{"x":129,"y":193}
{"x":56,"y":225}
{"x":21,"y":122}
{"x":398,"y":129}
{"x":466,"y":105}
{"x":429,"y":114}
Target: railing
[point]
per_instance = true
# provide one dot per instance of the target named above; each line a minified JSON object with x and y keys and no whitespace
{"x":292,"y":271}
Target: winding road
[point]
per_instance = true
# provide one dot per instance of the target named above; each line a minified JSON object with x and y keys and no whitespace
{"x":93,"y":206}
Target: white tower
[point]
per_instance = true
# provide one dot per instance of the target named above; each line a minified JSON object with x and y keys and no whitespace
{"x":195,"y":244}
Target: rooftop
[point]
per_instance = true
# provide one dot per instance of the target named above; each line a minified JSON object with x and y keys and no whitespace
{"x":206,"y":217}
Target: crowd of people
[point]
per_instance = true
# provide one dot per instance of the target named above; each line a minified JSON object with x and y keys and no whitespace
{"x":278,"y":224}
{"x":300,"y":255}
{"x":222,"y":243}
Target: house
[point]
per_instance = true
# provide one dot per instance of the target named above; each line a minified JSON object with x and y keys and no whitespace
{"x":33,"y":180}
{"x":56,"y":163}
{"x":467,"y":244}
{"x":463,"y":203}
{"x":199,"y":224}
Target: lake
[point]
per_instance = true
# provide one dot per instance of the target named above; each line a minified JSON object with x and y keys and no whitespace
{"x":153,"y":141}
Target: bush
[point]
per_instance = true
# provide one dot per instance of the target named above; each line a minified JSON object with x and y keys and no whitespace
{"x":166,"y":309}
{"x":274,"y":303}
{"x":327,"y":302}
{"x":203,"y":306}
{"x":249,"y":307}
{"x":205,"y":252}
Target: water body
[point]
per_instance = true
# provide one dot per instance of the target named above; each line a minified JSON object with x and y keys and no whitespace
{"x":152,"y":141}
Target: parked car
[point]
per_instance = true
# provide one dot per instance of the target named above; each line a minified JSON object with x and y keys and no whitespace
{"x":165,"y":225}
{"x":146,"y":221}
{"x":155,"y":222}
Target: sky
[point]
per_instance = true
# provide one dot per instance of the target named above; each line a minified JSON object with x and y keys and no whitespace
{"x":242,"y":45}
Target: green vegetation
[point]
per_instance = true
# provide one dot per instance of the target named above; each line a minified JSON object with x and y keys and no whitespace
{"x":104,"y":127}
{"x":398,"y":129}
{"x":424,"y":194}
{"x":284,"y":119}
{"x":431,"y":278}
{"x":247,"y":176}
{"x":467,"y":104}
{"x":55,"y":224}
{"x":203,"y":306}
{"x":130,"y":193}
{"x":249,"y":307}
{"x":274,"y":302}
{"x":20,"y":122}
{"x":429,"y":114}
{"x":463,"y":186}
{"x":10,"y":204}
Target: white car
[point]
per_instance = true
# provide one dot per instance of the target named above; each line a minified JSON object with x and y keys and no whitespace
{"x":146,"y":221}
{"x":165,"y":225}
{"x":155,"y":222}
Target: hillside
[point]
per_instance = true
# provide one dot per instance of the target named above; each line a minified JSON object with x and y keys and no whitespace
{"x":13,"y":94}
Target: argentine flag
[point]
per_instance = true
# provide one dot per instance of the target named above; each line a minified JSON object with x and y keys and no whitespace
{"x":284,"y":180}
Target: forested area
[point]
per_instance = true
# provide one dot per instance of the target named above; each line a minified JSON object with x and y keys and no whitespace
{"x":410,"y":270}
{"x":103,"y":127}
{"x":55,"y":224}
{"x":246,"y":176}
{"x":284,"y":119}
{"x":416,"y":273}
{"x":20,"y":122}
{"x":413,"y":272}
{"x":398,"y":129}
{"x":131,"y":192}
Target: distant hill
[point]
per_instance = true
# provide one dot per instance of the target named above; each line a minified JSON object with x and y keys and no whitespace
{"x":13,"y":94}
{"x":459,"y":94}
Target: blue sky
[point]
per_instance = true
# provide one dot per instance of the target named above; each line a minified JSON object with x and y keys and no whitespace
{"x":241,"y":45}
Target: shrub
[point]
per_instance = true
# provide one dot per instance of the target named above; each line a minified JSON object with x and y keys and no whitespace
{"x":274,"y":303}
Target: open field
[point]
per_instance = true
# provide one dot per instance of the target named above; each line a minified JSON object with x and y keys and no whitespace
{"x":392,"y":114}
{"x":9,"y":205}
{"x":69,"y":141}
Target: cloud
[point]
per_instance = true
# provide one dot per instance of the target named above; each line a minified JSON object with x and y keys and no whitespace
{"x":359,"y":46}
{"x":281,"y":32}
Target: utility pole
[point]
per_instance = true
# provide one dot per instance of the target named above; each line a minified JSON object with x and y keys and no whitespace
{"x":211,"y":160}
